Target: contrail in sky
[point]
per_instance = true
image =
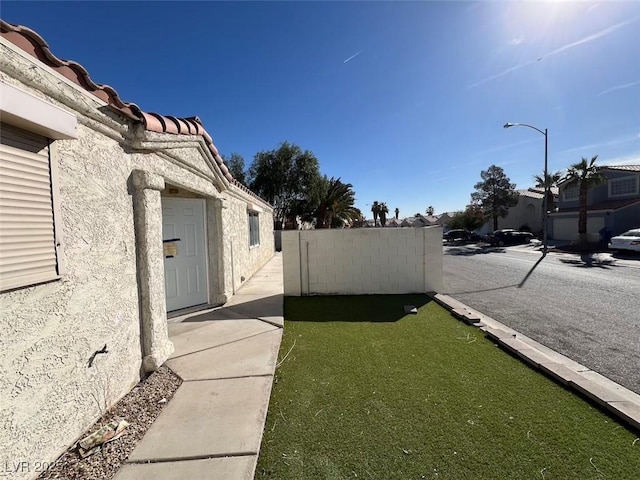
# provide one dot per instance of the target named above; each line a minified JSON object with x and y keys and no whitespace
{"x":588,"y":38}
{"x":619,"y":87}
{"x":352,"y":57}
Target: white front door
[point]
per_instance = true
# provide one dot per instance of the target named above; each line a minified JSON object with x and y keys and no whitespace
{"x":185,"y":273}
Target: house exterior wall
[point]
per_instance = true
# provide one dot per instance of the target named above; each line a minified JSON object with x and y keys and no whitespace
{"x":617,"y":220}
{"x":600,"y":193}
{"x":625,"y":219}
{"x":362,"y":261}
{"x":243,"y":260}
{"x":528,"y":211}
{"x":49,"y":393}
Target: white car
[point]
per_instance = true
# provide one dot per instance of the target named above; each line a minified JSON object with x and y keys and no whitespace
{"x":627,"y":241}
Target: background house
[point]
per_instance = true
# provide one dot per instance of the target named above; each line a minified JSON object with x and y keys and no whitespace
{"x":614,"y":205}
{"x":528,"y":212}
{"x":444,"y":218}
{"x":419,"y":221}
{"x":110,"y":219}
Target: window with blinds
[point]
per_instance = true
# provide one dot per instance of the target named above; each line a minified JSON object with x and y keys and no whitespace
{"x":28,"y":247}
{"x":254,"y":229}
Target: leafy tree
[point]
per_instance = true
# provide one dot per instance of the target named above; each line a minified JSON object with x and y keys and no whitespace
{"x":336,"y":204}
{"x":457,"y":221}
{"x":383,"y":213}
{"x":375,"y":209}
{"x":359,"y":221}
{"x":430,"y":211}
{"x":470,"y":219}
{"x":551,"y":181}
{"x":495,"y":194}
{"x":585,"y":175}
{"x":288,"y":178}
{"x":235,"y":164}
{"x":397,"y":212}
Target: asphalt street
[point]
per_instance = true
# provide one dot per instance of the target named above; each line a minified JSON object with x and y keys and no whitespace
{"x":585,"y":307}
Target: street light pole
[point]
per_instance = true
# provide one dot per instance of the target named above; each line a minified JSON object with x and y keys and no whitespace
{"x":545,"y":206}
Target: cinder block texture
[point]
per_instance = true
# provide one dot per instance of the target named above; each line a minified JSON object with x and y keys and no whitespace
{"x":362,"y":261}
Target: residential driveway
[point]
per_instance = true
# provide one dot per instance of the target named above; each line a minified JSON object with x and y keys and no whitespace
{"x":587,"y":308}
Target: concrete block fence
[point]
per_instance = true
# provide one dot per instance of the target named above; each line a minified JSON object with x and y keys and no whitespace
{"x":362,"y":261}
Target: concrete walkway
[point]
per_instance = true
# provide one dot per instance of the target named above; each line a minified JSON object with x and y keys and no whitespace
{"x":212,"y":428}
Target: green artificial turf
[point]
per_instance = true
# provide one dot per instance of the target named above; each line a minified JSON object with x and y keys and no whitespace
{"x":367,"y":392}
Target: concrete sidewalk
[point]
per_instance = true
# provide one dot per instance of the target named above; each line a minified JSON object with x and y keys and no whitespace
{"x":212,"y":428}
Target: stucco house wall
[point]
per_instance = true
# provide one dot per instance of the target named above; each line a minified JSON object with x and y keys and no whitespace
{"x":528,"y":211}
{"x":617,"y":213}
{"x":111,"y":179}
{"x":599,"y":194}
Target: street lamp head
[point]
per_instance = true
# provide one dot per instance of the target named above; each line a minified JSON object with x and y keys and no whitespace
{"x":507,"y":125}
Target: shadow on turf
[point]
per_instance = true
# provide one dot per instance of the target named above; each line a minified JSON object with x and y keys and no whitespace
{"x":351,"y":308}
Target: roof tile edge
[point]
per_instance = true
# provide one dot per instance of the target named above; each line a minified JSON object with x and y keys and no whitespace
{"x":33,"y":44}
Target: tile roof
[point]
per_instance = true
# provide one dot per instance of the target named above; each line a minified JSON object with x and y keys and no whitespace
{"x":629,"y":168}
{"x":32,"y":43}
{"x":531,"y":193}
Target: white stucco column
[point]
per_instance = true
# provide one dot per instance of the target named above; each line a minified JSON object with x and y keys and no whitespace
{"x":147,"y":211}
{"x":216,"y":247}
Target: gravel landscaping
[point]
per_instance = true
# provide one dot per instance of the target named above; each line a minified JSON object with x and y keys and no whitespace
{"x":140,"y":407}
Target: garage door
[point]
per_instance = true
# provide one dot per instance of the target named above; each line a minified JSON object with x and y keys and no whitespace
{"x":567,"y":228}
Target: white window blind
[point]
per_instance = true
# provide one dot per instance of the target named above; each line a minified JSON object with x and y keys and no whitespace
{"x":254,"y":229}
{"x":28,"y":251}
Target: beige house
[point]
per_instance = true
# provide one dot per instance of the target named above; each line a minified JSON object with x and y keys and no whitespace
{"x":111,"y":220}
{"x":527,"y":213}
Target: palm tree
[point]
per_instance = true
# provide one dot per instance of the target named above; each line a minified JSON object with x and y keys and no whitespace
{"x":383,"y":213}
{"x":375,"y":208}
{"x":429,"y":211}
{"x":550,"y":182}
{"x":397,"y":212}
{"x":585,"y":175}
{"x":336,"y":205}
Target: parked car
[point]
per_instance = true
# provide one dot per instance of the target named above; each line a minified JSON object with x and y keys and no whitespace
{"x":456,"y":234}
{"x":460,"y":234}
{"x":629,"y":240}
{"x":509,"y":237}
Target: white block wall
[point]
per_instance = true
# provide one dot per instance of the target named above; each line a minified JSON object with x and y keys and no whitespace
{"x":362,"y":261}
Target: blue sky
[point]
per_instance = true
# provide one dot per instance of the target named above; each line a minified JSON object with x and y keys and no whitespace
{"x":405,"y":100}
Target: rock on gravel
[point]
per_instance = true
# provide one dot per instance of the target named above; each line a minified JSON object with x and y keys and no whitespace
{"x":139,"y":407}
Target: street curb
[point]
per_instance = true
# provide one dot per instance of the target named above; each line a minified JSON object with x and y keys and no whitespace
{"x":618,"y":400}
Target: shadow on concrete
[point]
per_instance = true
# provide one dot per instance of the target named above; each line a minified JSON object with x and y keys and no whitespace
{"x":351,"y":308}
{"x":270,"y":306}
{"x":518,"y":285}
{"x":626,"y":255}
{"x":535,"y":265}
{"x":466,"y":251}
{"x":588,"y":260}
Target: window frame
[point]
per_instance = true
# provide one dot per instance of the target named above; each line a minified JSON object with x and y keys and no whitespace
{"x":33,"y":115}
{"x":572,"y":187}
{"x":56,"y":234}
{"x":253,"y":219}
{"x":627,"y":177}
